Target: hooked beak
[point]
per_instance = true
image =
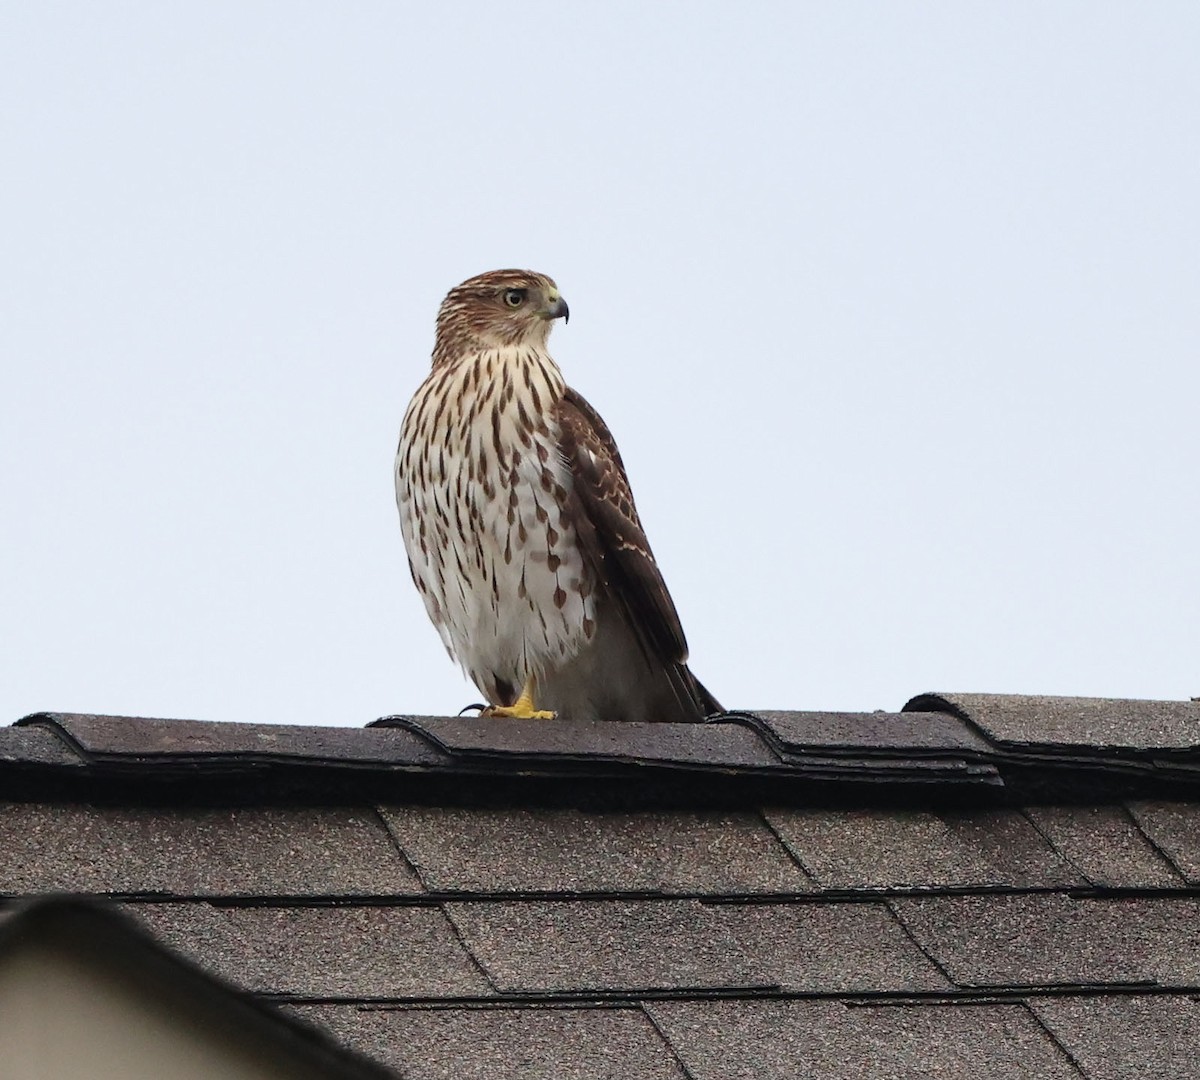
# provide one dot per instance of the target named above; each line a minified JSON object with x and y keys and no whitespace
{"x":557,"y":309}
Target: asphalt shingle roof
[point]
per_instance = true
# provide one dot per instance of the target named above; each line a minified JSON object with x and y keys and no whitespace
{"x":973,"y":886}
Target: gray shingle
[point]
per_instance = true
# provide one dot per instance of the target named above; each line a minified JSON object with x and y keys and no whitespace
{"x":504,"y":1043}
{"x":1175,"y":828}
{"x":199,"y":852}
{"x":198,"y":931}
{"x":549,"y":850}
{"x":715,"y":745}
{"x":1116,"y":1037}
{"x":34,"y":746}
{"x":829,"y":948}
{"x":599,"y":945}
{"x":1072,"y":722}
{"x":876,"y":849}
{"x":344,"y":951}
{"x":1050,"y":939}
{"x":136,"y":737}
{"x":936,"y":732}
{"x":620,"y":946}
{"x":1105,"y":844}
{"x":785,"y":1040}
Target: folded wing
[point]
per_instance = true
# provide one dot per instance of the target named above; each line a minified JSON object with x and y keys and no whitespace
{"x":617,"y":552}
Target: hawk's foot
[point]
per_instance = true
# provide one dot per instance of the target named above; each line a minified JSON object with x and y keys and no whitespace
{"x":521,"y":709}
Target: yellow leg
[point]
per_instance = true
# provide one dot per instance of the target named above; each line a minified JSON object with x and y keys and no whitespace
{"x":522,"y":708}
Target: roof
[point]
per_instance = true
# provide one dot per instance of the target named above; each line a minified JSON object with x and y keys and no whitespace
{"x":987,"y":884}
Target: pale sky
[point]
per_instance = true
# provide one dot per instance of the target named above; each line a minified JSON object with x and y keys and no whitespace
{"x":894,"y":309}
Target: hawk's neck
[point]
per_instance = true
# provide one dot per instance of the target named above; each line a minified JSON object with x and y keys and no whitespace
{"x":523,"y":364}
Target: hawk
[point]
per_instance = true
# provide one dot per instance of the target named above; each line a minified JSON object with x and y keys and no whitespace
{"x":520,"y":526}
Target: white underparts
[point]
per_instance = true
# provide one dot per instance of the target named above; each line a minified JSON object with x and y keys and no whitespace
{"x":481,"y":487}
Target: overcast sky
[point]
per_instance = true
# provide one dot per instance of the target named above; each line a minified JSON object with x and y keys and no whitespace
{"x":894,"y":309}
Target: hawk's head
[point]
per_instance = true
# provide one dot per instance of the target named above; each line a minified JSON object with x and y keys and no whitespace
{"x":497,"y":309}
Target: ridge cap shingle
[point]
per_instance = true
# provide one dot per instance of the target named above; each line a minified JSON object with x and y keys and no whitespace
{"x":1064,"y":722}
{"x":946,"y":746}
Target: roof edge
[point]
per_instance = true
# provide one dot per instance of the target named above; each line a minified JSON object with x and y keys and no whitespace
{"x":94,"y":929}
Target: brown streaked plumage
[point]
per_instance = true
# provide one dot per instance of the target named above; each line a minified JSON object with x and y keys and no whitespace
{"x":522,"y":534}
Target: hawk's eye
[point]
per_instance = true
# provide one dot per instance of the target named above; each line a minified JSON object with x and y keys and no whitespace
{"x":514,"y":297}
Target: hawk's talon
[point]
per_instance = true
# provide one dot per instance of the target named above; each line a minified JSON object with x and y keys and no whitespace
{"x":522,"y":708}
{"x":517,"y":712}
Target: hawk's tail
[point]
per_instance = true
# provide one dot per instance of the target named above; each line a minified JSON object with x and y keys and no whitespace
{"x":693,"y":698}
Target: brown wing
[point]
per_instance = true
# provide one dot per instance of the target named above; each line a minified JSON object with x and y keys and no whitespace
{"x":611,"y":533}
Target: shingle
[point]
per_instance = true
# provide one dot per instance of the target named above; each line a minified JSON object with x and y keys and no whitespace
{"x":198,"y":931}
{"x":34,"y":746}
{"x":345,"y":951}
{"x":552,"y":850}
{"x":875,"y":849}
{"x":828,"y":948}
{"x":141,"y":737}
{"x":358,"y":952}
{"x":935,"y":732}
{"x":504,"y":1043}
{"x":627,"y":946}
{"x":1175,"y":828}
{"x":603,"y":945}
{"x":198,"y":852}
{"x":712,"y":745}
{"x":1074,"y":722}
{"x":1151,"y":1037}
{"x":1105,"y":844}
{"x":1050,"y":939}
{"x":785,"y":1040}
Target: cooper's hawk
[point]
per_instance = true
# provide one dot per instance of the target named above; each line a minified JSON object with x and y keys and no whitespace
{"x":521,"y":531}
